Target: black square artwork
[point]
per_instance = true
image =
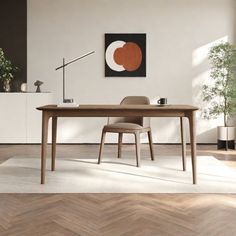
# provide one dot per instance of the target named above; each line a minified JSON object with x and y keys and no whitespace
{"x":125,"y":55}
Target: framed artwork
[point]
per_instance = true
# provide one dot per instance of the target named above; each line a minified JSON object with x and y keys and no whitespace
{"x":125,"y":55}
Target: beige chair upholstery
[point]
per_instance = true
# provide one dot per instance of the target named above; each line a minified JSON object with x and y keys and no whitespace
{"x":135,"y":125}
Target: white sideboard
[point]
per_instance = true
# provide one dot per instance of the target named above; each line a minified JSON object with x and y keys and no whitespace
{"x":20,"y":122}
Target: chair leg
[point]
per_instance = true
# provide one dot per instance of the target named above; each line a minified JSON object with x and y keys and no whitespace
{"x":150,"y":144}
{"x":183,"y":142}
{"x":137,"y":143}
{"x":101,"y":146}
{"x":120,"y":144}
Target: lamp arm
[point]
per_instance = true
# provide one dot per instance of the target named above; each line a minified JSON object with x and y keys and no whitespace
{"x":74,"y":60}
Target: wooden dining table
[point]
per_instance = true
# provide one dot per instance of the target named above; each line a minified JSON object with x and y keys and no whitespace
{"x":181,"y":111}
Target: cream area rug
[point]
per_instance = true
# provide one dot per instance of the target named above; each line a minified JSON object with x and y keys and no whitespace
{"x":164,"y":175}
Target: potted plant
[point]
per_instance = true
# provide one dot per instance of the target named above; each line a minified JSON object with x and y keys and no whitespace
{"x":7,"y":69}
{"x":220,"y":93}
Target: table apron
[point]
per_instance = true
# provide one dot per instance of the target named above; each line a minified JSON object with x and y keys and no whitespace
{"x":117,"y":113}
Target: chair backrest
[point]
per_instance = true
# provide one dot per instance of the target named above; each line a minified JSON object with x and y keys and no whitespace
{"x":132,"y":100}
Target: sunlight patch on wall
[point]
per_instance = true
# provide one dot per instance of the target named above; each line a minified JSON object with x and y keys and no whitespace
{"x":202,"y":76}
{"x":197,"y":84}
{"x":200,"y":54}
{"x":67,"y":131}
{"x":203,"y":125}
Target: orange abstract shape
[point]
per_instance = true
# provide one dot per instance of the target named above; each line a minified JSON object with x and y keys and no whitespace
{"x":129,"y":56}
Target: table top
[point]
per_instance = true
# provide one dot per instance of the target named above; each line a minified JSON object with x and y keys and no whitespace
{"x":121,"y":107}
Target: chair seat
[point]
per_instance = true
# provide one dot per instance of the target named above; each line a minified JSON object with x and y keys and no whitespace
{"x":133,"y":125}
{"x":125,"y":127}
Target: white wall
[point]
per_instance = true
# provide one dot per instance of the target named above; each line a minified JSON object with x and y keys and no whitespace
{"x":179,"y":33}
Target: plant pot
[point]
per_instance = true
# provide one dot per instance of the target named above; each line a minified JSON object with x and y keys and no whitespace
{"x":7,"y":85}
{"x":226,"y":137}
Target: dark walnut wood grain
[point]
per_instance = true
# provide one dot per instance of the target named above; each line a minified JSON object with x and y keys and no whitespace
{"x":115,"y":110}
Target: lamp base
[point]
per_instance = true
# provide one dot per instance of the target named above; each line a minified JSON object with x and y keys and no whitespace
{"x":71,"y":104}
{"x":68,"y":100}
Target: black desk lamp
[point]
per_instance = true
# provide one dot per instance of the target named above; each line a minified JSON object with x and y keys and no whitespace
{"x":70,"y":100}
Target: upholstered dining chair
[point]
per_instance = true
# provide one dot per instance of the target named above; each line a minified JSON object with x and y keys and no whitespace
{"x":133,"y":125}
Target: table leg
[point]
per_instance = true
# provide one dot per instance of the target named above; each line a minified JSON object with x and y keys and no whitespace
{"x":120,"y":137}
{"x":192,"y":128}
{"x":183,"y":143}
{"x":54,"y":141}
{"x":45,"y":119}
{"x":150,"y":144}
{"x":137,"y":144}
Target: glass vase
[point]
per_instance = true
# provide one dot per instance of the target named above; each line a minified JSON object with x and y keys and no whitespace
{"x":7,"y":86}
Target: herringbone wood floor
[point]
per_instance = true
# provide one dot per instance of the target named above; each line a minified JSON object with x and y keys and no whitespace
{"x":117,"y":214}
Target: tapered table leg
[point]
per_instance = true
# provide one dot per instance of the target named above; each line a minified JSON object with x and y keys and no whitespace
{"x":183,"y":143}
{"x":101,"y":146}
{"x":45,"y":119}
{"x":150,"y":144}
{"x":54,"y":141}
{"x":137,"y":144}
{"x":192,"y":128}
{"x":120,"y":144}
